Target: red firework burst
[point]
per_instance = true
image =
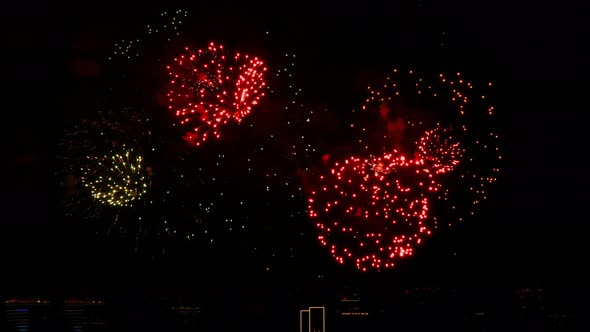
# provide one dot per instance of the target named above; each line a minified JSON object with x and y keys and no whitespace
{"x":374,"y":211}
{"x":208,"y":89}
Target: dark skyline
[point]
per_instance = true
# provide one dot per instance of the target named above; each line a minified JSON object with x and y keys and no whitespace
{"x":532,"y":231}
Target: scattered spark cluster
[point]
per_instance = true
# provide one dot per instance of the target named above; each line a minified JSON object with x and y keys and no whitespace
{"x":436,"y":157}
{"x":169,"y":214}
{"x":76,"y":203}
{"x":167,"y":26}
{"x":109,"y":127}
{"x":208,"y":89}
{"x":117,"y":180}
{"x":439,"y":148}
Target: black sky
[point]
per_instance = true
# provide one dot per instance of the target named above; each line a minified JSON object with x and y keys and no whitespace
{"x":532,"y":232}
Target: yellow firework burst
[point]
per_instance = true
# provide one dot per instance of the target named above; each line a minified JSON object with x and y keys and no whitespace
{"x":118,"y":179}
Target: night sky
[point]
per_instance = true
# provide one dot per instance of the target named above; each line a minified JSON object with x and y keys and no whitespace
{"x":531,"y":232}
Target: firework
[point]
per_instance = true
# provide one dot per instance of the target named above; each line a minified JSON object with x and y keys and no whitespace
{"x":105,"y":185}
{"x":96,"y":136}
{"x":166,"y":26}
{"x":117,"y":180}
{"x":375,"y":210}
{"x":172,"y":211}
{"x":208,"y":89}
